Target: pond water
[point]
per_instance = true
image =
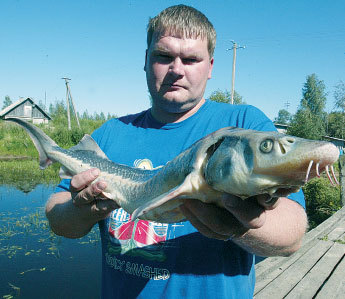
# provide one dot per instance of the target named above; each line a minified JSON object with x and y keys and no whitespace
{"x":34,"y":262}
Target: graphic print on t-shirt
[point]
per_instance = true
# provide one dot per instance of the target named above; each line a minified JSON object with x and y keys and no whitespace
{"x":140,"y":237}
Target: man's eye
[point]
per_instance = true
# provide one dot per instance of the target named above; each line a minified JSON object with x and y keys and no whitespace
{"x":164,"y":56}
{"x":189,"y":60}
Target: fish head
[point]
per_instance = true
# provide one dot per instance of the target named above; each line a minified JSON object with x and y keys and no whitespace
{"x":247,"y":163}
{"x":291,"y":161}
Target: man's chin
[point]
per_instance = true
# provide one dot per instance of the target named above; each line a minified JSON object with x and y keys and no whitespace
{"x":178,"y":105}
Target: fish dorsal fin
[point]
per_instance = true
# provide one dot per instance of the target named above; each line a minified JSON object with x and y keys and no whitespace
{"x":87,"y":143}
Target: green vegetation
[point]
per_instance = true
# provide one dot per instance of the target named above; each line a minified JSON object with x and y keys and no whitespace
{"x":14,"y":141}
{"x":322,"y":200}
{"x":7,"y":102}
{"x":284,"y":117}
{"x":24,"y":173}
{"x":309,"y":121}
{"x":225,"y":97}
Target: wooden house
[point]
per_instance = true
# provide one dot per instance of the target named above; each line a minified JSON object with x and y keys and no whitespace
{"x":27,"y":109}
{"x":282,"y":128}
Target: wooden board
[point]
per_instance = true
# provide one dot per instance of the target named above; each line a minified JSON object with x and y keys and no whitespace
{"x":311,"y":271}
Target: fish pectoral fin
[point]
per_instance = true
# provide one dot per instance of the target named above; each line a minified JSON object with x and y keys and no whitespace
{"x":179,"y":191}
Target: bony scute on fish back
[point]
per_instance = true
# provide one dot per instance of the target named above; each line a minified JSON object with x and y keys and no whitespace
{"x":231,"y":160}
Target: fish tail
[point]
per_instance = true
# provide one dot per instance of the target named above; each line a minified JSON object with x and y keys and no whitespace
{"x":42,"y":142}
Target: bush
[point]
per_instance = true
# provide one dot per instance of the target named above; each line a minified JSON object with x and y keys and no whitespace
{"x":322,"y":200}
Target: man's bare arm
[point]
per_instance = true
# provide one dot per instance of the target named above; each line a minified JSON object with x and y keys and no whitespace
{"x":269,"y":231}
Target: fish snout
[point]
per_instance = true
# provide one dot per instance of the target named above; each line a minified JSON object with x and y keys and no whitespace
{"x":323,"y":160}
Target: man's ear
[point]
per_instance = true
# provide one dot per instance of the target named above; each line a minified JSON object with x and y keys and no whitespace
{"x":145,"y":60}
{"x":211,"y":68}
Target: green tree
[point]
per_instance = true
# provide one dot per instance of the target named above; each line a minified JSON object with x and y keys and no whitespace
{"x":305,"y":125}
{"x":309,"y":121}
{"x":85,"y":115}
{"x":42,"y":105}
{"x":225,"y":97}
{"x":314,"y":95}
{"x":339,"y":96}
{"x":284,"y":117}
{"x":339,"y":103}
{"x":7,"y":102}
{"x":58,"y":111}
{"x":336,"y":125}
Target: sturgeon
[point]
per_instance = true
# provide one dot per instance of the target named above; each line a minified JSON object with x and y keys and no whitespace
{"x":232,"y":160}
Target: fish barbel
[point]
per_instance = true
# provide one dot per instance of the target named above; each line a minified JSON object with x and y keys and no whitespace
{"x":231,"y":160}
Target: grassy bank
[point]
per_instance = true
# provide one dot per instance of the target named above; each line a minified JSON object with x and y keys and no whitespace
{"x":15,"y":141}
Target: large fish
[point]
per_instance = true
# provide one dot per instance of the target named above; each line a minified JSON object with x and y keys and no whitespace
{"x":232,"y":160}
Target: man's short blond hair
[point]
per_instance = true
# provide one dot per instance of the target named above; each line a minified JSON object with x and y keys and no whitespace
{"x":185,"y":21}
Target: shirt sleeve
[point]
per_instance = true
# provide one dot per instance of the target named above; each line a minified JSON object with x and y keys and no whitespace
{"x":63,"y":186}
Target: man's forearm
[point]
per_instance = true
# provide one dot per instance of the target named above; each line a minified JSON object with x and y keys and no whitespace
{"x":65,"y":219}
{"x":281,"y":233}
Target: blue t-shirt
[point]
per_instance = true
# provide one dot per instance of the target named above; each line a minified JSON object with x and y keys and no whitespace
{"x":144,"y":259}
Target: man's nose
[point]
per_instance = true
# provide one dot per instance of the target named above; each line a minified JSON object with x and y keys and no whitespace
{"x":177,"y":67}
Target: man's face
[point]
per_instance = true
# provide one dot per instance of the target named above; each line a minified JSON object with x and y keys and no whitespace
{"x":177,"y":70}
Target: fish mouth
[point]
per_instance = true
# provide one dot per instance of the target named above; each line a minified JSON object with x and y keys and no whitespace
{"x":310,"y":173}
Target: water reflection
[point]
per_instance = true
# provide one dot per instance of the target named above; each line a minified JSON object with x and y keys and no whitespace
{"x":36,"y":263}
{"x":26,"y":175}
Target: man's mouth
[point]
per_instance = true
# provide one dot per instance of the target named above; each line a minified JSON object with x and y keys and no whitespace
{"x":174,"y":86}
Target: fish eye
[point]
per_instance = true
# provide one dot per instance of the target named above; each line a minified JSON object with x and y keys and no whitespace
{"x":266,"y":146}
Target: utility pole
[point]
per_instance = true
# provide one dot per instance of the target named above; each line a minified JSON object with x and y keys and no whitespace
{"x":234,"y":48}
{"x":68,"y":101}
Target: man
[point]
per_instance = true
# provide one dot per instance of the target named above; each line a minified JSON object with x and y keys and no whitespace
{"x":211,"y":254}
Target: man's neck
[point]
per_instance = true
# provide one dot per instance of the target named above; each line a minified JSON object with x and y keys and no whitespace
{"x":168,"y":117}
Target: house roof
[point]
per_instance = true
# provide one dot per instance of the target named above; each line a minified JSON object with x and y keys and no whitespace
{"x":334,"y":138}
{"x":11,"y":107}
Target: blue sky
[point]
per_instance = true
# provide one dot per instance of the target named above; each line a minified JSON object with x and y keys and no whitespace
{"x":101,"y":45}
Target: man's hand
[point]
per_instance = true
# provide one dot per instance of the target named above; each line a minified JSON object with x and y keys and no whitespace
{"x":235,"y":220}
{"x":73,"y":214}
{"x":262,"y":225}
{"x":86,"y":194}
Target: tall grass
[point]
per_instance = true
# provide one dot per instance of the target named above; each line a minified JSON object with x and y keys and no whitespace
{"x":15,"y":142}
